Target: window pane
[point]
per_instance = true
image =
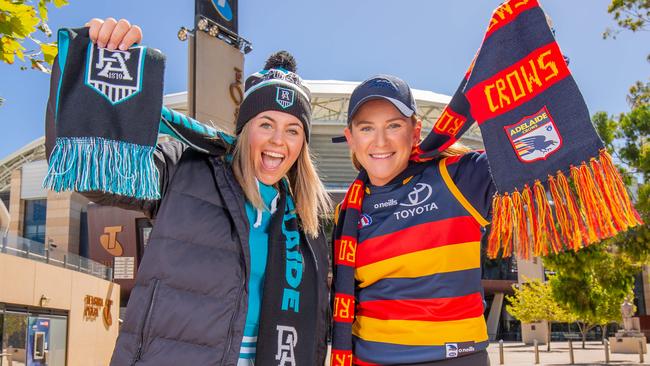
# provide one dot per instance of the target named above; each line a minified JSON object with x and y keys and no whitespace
{"x":14,"y":337}
{"x":35,"y":212}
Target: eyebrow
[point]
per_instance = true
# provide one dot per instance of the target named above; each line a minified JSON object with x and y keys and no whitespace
{"x":268,"y":117}
{"x":356,"y":123}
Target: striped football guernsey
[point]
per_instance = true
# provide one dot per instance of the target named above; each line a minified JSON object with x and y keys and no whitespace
{"x":418,"y":264}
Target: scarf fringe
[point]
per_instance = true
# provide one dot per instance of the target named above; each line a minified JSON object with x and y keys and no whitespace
{"x":589,"y":206}
{"x":86,"y":164}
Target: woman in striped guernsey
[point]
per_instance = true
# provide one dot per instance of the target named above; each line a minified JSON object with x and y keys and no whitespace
{"x":407,"y":287}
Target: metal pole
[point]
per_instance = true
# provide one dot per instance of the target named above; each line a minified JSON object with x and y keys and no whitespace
{"x":572,"y":360}
{"x":606,"y":350}
{"x":47,"y":256}
{"x":65,"y":261}
{"x":501,"y":361}
{"x":640,"y":351}
{"x":536,"y":352}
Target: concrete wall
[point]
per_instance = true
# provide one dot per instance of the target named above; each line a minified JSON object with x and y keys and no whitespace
{"x":532,"y":331}
{"x":26,"y":282}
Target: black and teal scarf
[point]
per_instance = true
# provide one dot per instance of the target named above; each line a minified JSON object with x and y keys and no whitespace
{"x":105,"y":138}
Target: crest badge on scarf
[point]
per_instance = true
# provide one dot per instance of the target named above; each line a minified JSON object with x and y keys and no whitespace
{"x":534,"y":137}
{"x":117,"y":75}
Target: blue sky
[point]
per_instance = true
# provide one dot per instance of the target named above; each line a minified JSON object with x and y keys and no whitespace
{"x":429,"y":43}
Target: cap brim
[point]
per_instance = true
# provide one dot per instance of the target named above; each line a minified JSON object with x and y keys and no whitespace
{"x":405,"y":110}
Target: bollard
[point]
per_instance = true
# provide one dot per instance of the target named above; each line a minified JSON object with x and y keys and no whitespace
{"x":501,"y":361}
{"x":536,"y":352}
{"x":572,"y":360}
{"x":606,"y":351}
{"x":640,"y":351}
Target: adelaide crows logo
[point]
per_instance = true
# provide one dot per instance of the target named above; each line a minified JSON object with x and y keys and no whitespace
{"x":534,"y":137}
{"x":117,"y":75}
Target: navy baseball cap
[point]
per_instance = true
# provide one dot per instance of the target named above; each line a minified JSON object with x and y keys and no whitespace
{"x":387,"y":87}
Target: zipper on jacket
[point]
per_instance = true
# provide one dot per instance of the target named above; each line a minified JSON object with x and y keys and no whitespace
{"x":147,"y":317}
{"x":232,"y":319}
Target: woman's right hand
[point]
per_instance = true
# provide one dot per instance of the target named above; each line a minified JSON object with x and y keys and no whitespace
{"x":111,"y":34}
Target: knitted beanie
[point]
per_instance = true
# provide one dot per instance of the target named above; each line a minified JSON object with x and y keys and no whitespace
{"x":277,"y":88}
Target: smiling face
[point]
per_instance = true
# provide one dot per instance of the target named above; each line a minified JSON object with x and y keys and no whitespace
{"x":276,"y":139}
{"x":382,"y":139}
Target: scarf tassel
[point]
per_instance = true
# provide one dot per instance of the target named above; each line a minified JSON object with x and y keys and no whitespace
{"x":589,"y":206}
{"x":86,"y":164}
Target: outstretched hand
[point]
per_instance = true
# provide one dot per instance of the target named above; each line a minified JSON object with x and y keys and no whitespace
{"x":112,"y":34}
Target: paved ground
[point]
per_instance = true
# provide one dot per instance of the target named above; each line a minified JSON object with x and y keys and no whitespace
{"x":517,"y":354}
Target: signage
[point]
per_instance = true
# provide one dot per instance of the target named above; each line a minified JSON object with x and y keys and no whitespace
{"x":123,"y":268}
{"x":108,"y":240}
{"x":92,"y":306}
{"x":222,"y":12}
{"x":38,"y":341}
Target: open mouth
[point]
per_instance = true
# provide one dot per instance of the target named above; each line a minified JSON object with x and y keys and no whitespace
{"x":271,"y":160}
{"x":382,"y":156}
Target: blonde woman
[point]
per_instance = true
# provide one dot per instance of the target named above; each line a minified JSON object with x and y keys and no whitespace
{"x":233,"y":273}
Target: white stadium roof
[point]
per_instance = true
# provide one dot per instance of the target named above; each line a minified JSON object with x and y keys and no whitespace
{"x":329,"y":112}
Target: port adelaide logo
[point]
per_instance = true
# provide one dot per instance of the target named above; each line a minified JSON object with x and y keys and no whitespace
{"x":284,"y":97}
{"x":117,"y":75}
{"x":534,"y":137}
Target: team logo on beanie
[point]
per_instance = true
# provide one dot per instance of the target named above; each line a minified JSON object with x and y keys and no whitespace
{"x":114,"y":74}
{"x":285,"y":97}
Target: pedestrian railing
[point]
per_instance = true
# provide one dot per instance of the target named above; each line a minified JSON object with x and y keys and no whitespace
{"x":33,"y":250}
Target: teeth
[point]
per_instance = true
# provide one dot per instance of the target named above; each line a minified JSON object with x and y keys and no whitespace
{"x":273,"y":154}
{"x":381,"y":156}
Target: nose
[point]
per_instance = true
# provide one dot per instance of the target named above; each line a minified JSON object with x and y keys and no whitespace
{"x":380,"y":138}
{"x":276,"y":137}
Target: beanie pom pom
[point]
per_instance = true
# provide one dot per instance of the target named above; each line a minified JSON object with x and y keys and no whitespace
{"x":281,"y":59}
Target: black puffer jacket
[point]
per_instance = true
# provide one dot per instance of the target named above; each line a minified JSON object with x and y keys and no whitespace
{"x":190,"y":301}
{"x":189,"y":304}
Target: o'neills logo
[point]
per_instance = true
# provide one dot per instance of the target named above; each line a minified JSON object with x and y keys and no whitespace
{"x":92,"y":304}
{"x":390,"y":203}
{"x":108,"y":240}
{"x":456,"y":349}
{"x":116,"y":75}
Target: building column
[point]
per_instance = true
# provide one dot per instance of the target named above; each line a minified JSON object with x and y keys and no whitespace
{"x":64,"y":219}
{"x":646,"y":288}
{"x":529,"y":270}
{"x":495,"y":315}
{"x":16,"y":206}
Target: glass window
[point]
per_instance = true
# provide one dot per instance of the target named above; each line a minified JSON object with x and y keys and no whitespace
{"x":14,"y":337}
{"x":34,"y":224}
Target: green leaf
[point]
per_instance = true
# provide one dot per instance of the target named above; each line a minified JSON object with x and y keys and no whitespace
{"x":49,"y":52}
{"x":42,"y":9}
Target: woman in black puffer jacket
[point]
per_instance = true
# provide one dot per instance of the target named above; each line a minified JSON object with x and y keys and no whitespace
{"x":235,"y":272}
